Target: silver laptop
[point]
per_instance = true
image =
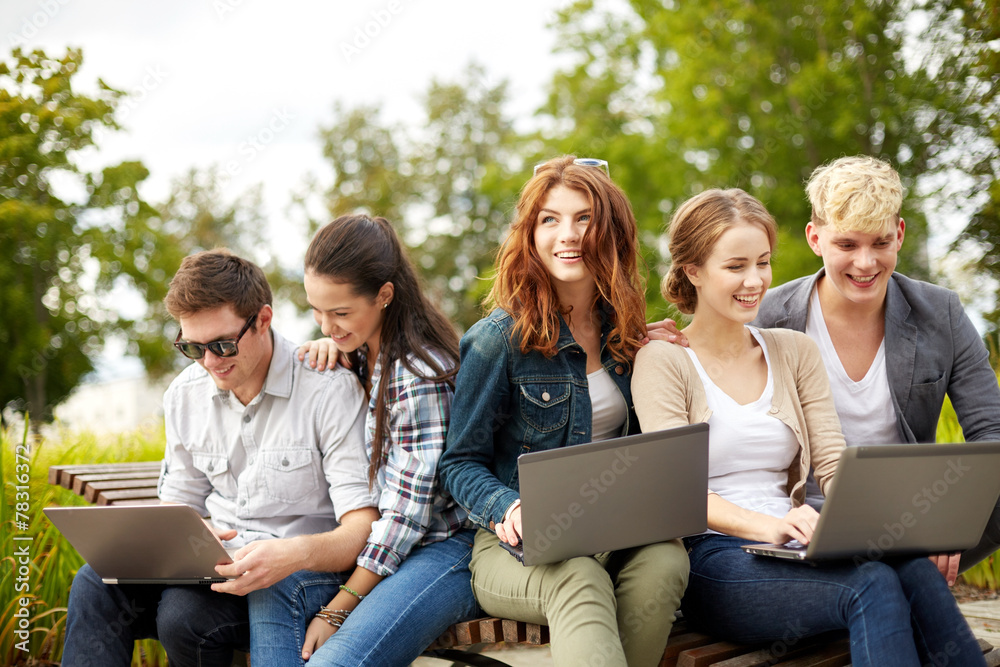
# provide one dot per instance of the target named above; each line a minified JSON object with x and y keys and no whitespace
{"x":143,"y":544}
{"x":614,"y":494}
{"x":902,"y":500}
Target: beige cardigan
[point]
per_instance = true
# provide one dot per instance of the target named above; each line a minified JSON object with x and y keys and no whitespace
{"x":668,"y":392}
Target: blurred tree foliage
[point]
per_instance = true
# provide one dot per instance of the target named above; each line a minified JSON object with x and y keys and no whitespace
{"x":77,"y":242}
{"x":63,"y":257}
{"x":966,"y":34}
{"x":448,"y":186}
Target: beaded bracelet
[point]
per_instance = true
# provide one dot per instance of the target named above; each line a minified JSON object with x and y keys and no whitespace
{"x":334,"y":617}
{"x":352,"y":592}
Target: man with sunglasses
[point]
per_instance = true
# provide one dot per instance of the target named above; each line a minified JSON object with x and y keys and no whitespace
{"x":271,"y":450}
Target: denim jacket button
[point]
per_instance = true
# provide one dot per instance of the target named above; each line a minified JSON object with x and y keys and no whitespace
{"x":620,"y":370}
{"x":545,"y":396}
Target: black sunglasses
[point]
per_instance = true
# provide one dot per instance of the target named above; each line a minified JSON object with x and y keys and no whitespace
{"x":220,"y":348}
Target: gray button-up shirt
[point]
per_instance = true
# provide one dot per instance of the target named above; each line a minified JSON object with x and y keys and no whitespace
{"x":291,"y":462}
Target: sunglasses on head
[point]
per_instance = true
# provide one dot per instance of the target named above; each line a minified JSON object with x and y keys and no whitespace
{"x":583,"y":162}
{"x":220,"y":348}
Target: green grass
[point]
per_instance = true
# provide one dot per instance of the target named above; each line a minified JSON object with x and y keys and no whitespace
{"x":53,"y":562}
{"x":987,"y":573}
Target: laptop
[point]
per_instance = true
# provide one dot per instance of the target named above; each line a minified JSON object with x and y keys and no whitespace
{"x":143,"y":544}
{"x":613,"y":494}
{"x":902,"y":500}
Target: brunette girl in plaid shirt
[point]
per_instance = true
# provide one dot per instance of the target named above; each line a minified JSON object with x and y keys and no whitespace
{"x":412,"y":579}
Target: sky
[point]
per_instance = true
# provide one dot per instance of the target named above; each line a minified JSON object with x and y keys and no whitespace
{"x":245,"y":84}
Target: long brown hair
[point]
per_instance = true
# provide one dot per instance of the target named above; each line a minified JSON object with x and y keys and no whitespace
{"x":523,"y":286}
{"x":366,"y":253}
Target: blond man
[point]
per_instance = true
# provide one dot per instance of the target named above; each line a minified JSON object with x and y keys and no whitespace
{"x":892,"y":346}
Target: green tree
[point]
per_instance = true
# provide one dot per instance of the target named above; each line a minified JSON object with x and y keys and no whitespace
{"x":463,"y":172}
{"x":370,"y":170}
{"x":65,"y":252}
{"x":963,"y":34}
{"x":449,"y":185}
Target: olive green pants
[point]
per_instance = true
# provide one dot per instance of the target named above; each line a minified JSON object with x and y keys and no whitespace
{"x":611,"y":609}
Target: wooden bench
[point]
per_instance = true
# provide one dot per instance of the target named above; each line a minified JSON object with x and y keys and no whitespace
{"x":135,"y":483}
{"x":110,"y":483}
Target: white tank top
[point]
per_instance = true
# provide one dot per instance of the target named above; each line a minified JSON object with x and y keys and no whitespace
{"x":749,"y":450}
{"x":607,"y":406}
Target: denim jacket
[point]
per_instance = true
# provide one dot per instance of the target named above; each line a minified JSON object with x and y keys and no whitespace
{"x":508,"y":403}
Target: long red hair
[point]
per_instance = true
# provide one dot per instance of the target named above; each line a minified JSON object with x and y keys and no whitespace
{"x":523,"y":286}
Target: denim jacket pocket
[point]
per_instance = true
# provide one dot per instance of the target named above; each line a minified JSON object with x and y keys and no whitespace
{"x":545,"y":405}
{"x":290,"y":474}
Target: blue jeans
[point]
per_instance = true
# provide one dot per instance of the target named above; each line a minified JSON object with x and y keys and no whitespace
{"x":280,"y":614}
{"x":898,"y":612}
{"x":197,"y":626}
{"x":408,"y":610}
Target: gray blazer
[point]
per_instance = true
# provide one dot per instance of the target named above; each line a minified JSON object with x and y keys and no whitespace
{"x":931,"y":349}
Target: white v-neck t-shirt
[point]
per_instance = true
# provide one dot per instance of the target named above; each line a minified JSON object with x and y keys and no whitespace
{"x":865,"y":409}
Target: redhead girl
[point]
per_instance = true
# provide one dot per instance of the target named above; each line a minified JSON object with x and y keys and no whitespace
{"x":550,"y":367}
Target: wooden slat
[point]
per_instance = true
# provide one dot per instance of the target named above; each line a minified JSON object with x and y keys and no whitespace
{"x":63,"y":475}
{"x":137,"y":501}
{"x":81,"y":480}
{"x":513,"y":631}
{"x":467,"y":634}
{"x":710,"y":654}
{"x":93,"y":489}
{"x":491,"y":630}
{"x":128,"y":495}
{"x":836,"y":654}
{"x":684,"y":642}
{"x":536,"y":635}
{"x":816,"y":654}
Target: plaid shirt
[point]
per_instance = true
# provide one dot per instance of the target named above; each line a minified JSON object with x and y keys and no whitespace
{"x":414,"y":510}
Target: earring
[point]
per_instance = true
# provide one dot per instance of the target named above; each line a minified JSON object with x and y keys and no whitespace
{"x":385,"y":305}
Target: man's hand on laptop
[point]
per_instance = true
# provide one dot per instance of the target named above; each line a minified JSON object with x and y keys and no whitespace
{"x":258,"y":565}
{"x":510,"y":530}
{"x":799,"y":525}
{"x":947,"y":565}
{"x":222,"y":533}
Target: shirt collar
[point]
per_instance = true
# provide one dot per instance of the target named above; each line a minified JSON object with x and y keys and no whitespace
{"x":566,"y":336}
{"x":280,"y":373}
